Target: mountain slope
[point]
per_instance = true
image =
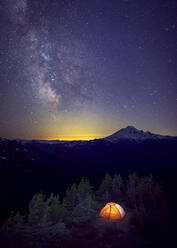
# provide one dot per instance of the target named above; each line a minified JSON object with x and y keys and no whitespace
{"x":131,"y":133}
{"x":29,"y":167}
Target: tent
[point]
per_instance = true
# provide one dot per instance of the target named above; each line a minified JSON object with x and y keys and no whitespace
{"x":112,"y":211}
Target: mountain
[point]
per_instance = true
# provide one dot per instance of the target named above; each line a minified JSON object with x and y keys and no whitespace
{"x":131,"y":133}
{"x":27,"y":167}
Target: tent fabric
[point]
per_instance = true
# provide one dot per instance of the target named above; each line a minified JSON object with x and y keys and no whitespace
{"x":112,"y":211}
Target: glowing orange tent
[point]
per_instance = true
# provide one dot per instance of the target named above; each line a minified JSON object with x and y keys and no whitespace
{"x":112,"y":211}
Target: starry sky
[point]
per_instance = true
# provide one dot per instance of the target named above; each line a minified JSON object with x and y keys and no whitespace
{"x":83,"y":69}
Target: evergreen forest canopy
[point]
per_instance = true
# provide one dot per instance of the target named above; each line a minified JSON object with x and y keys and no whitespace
{"x":74,"y":220}
{"x":69,"y":217}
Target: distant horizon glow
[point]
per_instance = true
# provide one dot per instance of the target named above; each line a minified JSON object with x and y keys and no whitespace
{"x":83,"y":137}
{"x":85,"y":69}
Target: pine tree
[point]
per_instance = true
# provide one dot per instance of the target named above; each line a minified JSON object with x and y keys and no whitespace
{"x":56,"y":210}
{"x":132,"y":187}
{"x":71,"y":198}
{"x":85,"y":211}
{"x":117,"y":186}
{"x":37,"y":208}
{"x":13,"y":233}
{"x":84,"y":189}
{"x":105,"y":188}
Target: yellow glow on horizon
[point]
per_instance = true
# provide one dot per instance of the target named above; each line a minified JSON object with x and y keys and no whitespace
{"x":83,"y":126}
{"x":72,"y":126}
{"x":77,"y":137}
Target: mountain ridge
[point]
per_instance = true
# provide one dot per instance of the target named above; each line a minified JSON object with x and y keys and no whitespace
{"x":132,"y":133}
{"x":127,"y":133}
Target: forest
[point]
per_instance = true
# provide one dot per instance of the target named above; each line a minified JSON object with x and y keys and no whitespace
{"x":73,"y":220}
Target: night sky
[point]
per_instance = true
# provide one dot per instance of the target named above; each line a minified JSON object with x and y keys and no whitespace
{"x":83,"y":69}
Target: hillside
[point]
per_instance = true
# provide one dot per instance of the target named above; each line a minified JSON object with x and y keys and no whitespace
{"x":27,"y":167}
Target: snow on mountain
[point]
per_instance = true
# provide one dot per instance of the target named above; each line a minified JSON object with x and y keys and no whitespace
{"x":132,"y":133}
{"x":127,"y":133}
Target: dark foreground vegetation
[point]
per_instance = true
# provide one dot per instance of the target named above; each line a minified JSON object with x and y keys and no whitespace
{"x":74,"y":220}
{"x":70,"y":216}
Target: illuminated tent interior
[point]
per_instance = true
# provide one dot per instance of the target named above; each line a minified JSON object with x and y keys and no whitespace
{"x":112,"y":211}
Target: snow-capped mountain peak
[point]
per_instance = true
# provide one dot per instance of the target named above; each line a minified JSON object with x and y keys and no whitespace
{"x":132,"y":133}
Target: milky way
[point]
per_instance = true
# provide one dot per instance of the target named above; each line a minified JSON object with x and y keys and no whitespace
{"x":95,"y":66}
{"x":55,"y":68}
